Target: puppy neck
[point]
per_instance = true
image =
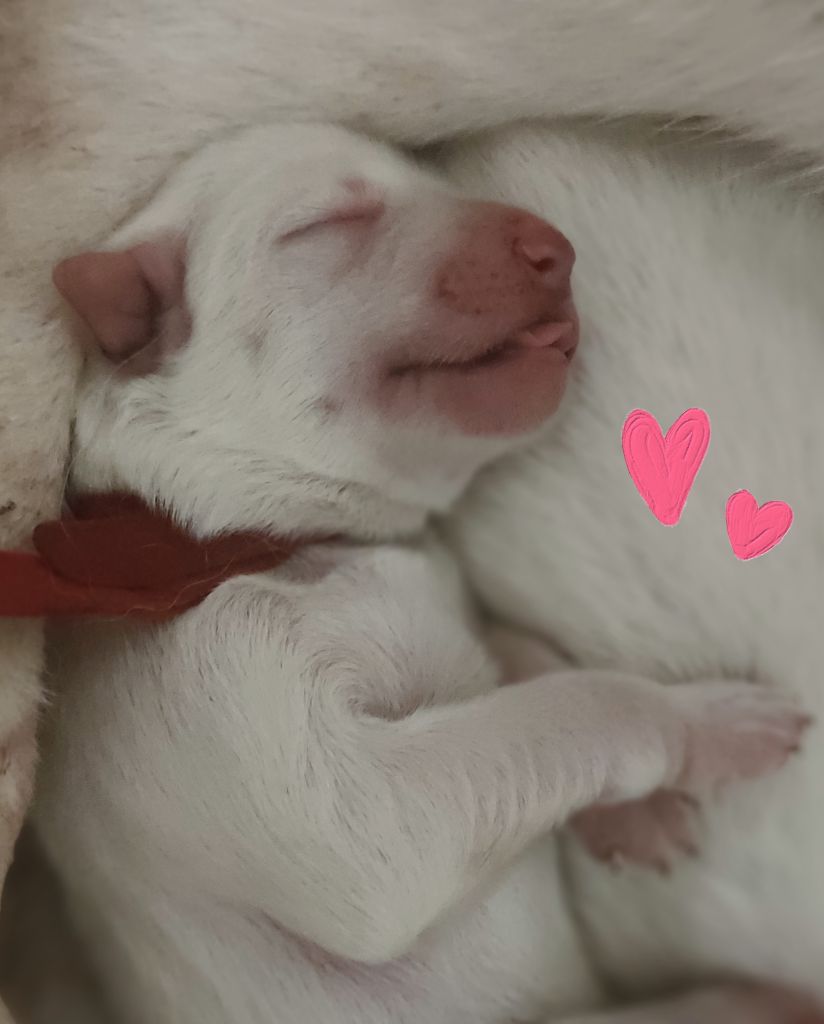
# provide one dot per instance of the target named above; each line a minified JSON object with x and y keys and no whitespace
{"x":209,"y":493}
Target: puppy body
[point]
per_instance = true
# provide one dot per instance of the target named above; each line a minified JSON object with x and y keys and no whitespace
{"x":698,"y":286}
{"x":194,"y":902}
{"x":308,"y":798}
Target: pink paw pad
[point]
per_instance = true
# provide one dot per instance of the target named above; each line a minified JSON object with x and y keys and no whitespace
{"x":650,"y":833}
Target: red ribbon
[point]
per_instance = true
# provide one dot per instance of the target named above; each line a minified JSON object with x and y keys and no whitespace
{"x":115,"y":556}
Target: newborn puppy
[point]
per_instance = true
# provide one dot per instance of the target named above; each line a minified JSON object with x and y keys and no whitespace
{"x":307,"y":799}
{"x":698,"y":284}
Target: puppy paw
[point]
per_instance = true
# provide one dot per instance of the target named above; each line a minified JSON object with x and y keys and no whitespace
{"x":650,"y":833}
{"x":736,"y":731}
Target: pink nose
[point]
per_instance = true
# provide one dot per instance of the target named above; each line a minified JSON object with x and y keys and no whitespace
{"x":507,"y":262}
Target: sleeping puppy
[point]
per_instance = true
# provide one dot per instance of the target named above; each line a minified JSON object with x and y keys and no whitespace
{"x":698,"y":285}
{"x":307,"y":799}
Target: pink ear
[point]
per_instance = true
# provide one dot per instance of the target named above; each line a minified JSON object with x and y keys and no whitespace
{"x":132,"y":301}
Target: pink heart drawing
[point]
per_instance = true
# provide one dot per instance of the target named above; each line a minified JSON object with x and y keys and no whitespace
{"x":755,"y":529}
{"x":664,"y":468}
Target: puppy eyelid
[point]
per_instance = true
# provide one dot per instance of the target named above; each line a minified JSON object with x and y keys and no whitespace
{"x":351,"y":212}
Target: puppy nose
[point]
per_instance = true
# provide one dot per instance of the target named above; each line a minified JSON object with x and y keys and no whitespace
{"x":545,"y":250}
{"x":507,"y":263}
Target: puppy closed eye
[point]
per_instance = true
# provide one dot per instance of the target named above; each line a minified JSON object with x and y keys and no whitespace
{"x":361,"y":205}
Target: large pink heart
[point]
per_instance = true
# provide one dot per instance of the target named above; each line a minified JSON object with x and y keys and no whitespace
{"x":664,"y":468}
{"x":755,"y":529}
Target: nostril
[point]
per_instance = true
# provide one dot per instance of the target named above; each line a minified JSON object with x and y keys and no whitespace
{"x":539,"y":256}
{"x":545,"y":265}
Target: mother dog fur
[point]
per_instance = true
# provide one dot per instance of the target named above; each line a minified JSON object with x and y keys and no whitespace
{"x":698,"y":284}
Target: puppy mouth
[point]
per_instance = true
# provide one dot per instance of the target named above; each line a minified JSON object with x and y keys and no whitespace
{"x":507,"y":386}
{"x":558,"y":338}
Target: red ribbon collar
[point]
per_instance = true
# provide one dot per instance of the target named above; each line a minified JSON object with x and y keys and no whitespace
{"x":115,"y":556}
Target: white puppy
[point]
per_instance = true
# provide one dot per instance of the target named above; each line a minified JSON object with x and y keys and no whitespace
{"x":297,"y":801}
{"x":698,"y":285}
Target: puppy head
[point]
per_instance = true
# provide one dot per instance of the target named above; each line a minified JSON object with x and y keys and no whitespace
{"x":301,"y":309}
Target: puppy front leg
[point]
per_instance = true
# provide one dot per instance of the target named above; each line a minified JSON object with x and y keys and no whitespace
{"x":650,"y":832}
{"x":380,"y":826}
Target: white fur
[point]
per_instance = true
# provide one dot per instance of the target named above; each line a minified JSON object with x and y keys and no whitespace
{"x":322,"y":751}
{"x":698,"y":285}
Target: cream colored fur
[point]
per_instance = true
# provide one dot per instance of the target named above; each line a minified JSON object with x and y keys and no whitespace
{"x":99,"y":98}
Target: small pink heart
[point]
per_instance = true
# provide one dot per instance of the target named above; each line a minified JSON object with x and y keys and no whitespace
{"x":664,"y":468}
{"x":755,"y":529}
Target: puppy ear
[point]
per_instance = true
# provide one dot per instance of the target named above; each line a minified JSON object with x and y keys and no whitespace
{"x":132,"y":301}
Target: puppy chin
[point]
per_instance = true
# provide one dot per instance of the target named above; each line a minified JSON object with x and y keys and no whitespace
{"x":515,"y":395}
